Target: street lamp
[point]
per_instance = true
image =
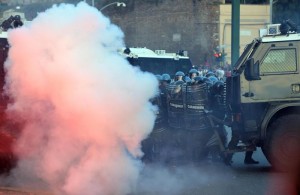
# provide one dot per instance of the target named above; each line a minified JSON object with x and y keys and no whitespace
{"x":118,"y":5}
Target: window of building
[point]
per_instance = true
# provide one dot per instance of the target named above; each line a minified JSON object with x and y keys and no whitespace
{"x":279,"y":60}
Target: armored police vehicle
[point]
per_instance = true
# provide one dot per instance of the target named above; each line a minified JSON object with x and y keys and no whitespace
{"x":262,"y":101}
{"x":158,"y":61}
{"x":263,"y":96}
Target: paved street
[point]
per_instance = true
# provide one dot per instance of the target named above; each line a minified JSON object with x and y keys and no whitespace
{"x":206,"y":178}
{"x":210,"y":178}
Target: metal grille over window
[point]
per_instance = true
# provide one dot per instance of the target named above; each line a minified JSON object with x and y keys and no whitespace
{"x":279,"y":60}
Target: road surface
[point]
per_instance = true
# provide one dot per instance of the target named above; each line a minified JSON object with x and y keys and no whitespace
{"x":214,"y":178}
{"x":205,"y":178}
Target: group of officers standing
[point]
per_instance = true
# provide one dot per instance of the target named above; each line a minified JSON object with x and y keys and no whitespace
{"x":183,"y":131}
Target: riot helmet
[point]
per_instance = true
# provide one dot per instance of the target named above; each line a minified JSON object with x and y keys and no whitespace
{"x":218,"y":88}
{"x":208,"y":82}
{"x":166,"y":78}
{"x":158,"y":77}
{"x":193,"y":73}
{"x":209,"y":73}
{"x":213,"y":79}
{"x":179,"y":76}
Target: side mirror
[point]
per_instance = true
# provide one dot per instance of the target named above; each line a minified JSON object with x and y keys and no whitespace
{"x":252,"y":70}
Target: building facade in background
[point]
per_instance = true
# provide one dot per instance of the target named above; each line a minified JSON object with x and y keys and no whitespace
{"x":24,"y":2}
{"x":170,"y":25}
{"x":200,"y":27}
{"x":252,"y":18}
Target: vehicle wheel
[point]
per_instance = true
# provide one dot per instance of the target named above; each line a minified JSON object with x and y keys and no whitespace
{"x":283,"y":143}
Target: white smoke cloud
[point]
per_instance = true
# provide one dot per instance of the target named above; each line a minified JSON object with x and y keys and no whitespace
{"x":84,"y":109}
{"x":205,"y":178}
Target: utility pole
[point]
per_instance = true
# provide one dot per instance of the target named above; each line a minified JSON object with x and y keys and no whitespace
{"x":271,"y":11}
{"x":235,"y":31}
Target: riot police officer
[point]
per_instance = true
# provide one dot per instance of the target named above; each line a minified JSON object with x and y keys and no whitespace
{"x":209,"y":73}
{"x":165,"y":81}
{"x":156,"y":141}
{"x":196,"y":124}
{"x":176,"y":133}
{"x":217,"y":106}
{"x":193,"y":73}
{"x":213,"y":79}
{"x":232,"y":145}
{"x":179,"y":75}
{"x":159,"y":78}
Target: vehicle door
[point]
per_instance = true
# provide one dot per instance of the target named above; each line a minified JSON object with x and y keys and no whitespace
{"x":279,"y":73}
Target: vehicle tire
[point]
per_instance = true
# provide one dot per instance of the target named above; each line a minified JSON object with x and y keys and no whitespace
{"x":283,"y":143}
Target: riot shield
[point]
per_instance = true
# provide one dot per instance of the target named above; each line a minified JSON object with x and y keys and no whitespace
{"x":159,"y":112}
{"x":195,"y":97}
{"x":175,"y":105}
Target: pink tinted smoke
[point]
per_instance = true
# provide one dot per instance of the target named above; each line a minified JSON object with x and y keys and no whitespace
{"x":85,"y":109}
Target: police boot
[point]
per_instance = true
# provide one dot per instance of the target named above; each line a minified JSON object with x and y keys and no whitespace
{"x":248,"y":159}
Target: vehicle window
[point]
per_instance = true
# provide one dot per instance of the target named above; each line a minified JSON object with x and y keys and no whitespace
{"x":279,"y":60}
